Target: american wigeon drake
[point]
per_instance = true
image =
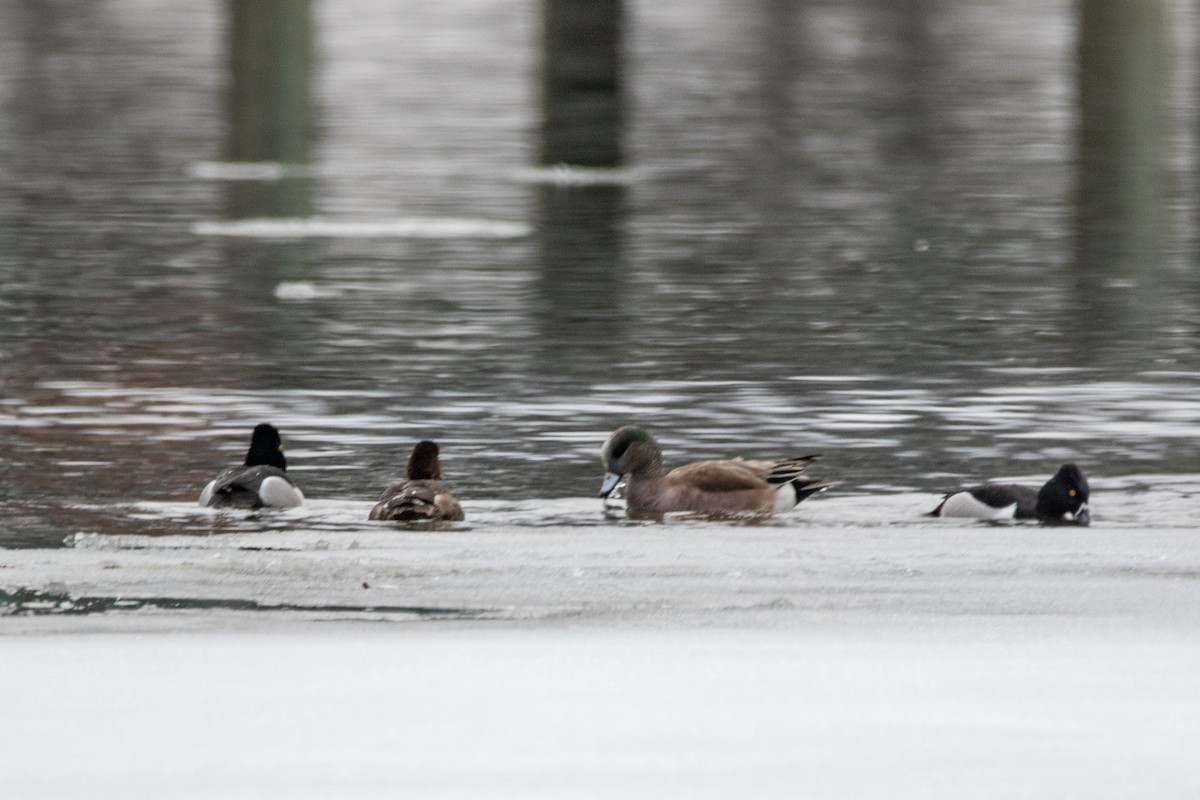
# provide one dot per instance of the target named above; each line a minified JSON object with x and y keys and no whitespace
{"x":421,"y":497}
{"x":262,"y":481}
{"x":704,"y":487}
{"x":1062,"y":500}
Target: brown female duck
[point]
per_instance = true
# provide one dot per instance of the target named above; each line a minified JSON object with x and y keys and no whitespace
{"x":421,"y":497}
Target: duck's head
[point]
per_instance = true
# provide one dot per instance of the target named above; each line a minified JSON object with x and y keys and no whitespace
{"x":1064,"y":498}
{"x":423,"y":464}
{"x":266,"y":448}
{"x":629,"y":450}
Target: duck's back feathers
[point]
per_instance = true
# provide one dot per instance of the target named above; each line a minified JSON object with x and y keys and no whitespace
{"x":252,"y":487}
{"x":418,"y":501}
{"x":717,"y":476}
{"x":991,"y":501}
{"x":789,"y":469}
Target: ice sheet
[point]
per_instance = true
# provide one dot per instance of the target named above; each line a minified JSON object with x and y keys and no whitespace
{"x":797,"y":659}
{"x":954,"y":708}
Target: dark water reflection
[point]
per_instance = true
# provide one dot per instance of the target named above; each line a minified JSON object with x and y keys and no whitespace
{"x":927,"y":239}
{"x":1121,"y":183}
{"x":582,"y":95}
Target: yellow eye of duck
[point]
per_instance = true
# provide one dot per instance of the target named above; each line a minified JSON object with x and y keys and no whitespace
{"x":1070,"y":492}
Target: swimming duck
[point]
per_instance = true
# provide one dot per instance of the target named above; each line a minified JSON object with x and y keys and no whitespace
{"x":262,"y":481}
{"x":421,"y":497}
{"x":1063,"y":499}
{"x":704,"y":487}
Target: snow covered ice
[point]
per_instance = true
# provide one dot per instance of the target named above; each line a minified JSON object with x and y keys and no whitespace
{"x":804,"y":657}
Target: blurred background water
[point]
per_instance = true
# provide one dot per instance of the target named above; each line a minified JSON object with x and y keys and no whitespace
{"x":932,"y":240}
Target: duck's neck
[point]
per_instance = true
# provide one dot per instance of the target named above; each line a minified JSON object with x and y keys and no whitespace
{"x":266,"y":456}
{"x":652,"y":467}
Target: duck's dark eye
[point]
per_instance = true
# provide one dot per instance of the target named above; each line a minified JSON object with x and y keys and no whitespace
{"x":620,"y":449}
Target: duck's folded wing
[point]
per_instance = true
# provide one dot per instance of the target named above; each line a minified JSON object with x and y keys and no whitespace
{"x":1001,"y":495}
{"x":416,"y":501}
{"x":719,"y":476}
{"x":789,"y":469}
{"x":243,"y":487}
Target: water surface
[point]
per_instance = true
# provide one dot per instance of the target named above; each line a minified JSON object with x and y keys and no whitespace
{"x":931,"y":242}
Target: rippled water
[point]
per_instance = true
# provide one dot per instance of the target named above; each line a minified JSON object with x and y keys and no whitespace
{"x":867,"y":230}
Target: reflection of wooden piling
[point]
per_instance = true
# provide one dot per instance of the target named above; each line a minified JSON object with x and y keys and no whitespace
{"x":581,"y":87}
{"x":270,"y":107}
{"x":1120,"y":185}
{"x":580,"y":281}
{"x":270,"y":92}
{"x":579,"y":226}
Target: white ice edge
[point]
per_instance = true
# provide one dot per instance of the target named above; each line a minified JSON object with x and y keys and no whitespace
{"x":398,"y":228}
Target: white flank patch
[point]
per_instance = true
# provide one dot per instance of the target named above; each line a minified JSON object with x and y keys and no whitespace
{"x":785,"y":497}
{"x":401,"y":228}
{"x":206,"y":494}
{"x":964,"y":504}
{"x":278,"y":493}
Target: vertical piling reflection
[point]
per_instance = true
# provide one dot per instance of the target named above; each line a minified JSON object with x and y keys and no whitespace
{"x":581,"y":82}
{"x":1121,"y":170}
{"x":777,"y":170}
{"x":911,"y":143}
{"x":579,"y":283}
{"x":271,"y":61}
{"x":579,"y":223}
{"x":271,"y":119}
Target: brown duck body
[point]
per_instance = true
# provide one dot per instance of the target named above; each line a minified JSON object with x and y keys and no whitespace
{"x":705,"y":487}
{"x":708,"y":487}
{"x":422,"y":496}
{"x":418,"y":501}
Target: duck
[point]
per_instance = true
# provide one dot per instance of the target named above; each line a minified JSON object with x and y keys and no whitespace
{"x":1062,"y":500}
{"x":421,"y":496}
{"x":716,"y":487}
{"x":260,"y":482}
